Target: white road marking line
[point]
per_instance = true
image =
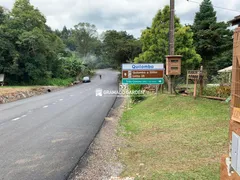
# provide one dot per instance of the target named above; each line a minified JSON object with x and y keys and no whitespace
{"x":16,"y":119}
{"x":60,"y":99}
{"x":23,"y":116}
{"x":71,"y":95}
{"x":54,"y":103}
{"x":45,"y":106}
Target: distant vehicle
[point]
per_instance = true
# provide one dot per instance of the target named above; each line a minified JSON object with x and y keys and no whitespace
{"x":86,"y":79}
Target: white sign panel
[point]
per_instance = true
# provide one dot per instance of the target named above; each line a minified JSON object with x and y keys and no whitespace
{"x":142,"y":66}
{"x":1,"y":77}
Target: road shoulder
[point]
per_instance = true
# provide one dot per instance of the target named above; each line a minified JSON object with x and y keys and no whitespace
{"x":100,"y":161}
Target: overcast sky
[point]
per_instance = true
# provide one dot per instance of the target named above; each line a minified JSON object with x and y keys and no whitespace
{"x":130,"y":15}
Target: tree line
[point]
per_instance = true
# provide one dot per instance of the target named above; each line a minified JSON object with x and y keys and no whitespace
{"x":206,"y":42}
{"x":31,"y":52}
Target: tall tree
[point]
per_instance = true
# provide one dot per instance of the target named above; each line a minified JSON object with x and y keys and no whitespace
{"x":2,"y":14}
{"x":8,"y":53}
{"x":211,"y":39}
{"x":85,"y":37}
{"x":155,"y":40}
{"x":32,"y":51}
{"x":67,"y":37}
{"x":26,"y":17}
{"x":120,"y":47}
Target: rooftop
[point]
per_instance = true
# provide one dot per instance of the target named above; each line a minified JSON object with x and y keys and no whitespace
{"x":235,"y":21}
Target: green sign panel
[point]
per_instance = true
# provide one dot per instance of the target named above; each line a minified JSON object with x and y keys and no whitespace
{"x":143,"y":81}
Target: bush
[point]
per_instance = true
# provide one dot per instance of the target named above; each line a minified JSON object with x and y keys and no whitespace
{"x":218,"y":91}
{"x":221,"y":78}
{"x":136,"y":97}
{"x":53,"y":82}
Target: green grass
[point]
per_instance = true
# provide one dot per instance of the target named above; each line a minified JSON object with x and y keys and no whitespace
{"x":53,"y":82}
{"x":42,"y":82}
{"x":175,"y":137}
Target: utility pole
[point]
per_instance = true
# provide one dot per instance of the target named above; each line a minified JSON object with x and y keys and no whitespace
{"x":172,"y":28}
{"x":171,"y":40}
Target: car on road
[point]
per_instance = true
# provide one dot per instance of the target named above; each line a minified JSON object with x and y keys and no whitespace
{"x":86,"y":79}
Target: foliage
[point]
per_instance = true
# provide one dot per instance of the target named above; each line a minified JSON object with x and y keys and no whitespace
{"x":84,"y":35}
{"x":119,"y":47}
{"x":73,"y":66}
{"x":29,"y":49}
{"x":222,"y":78}
{"x":217,"y":91}
{"x":155,"y":41}
{"x":32,"y":53}
{"x":53,"y":82}
{"x":136,"y":97}
{"x":66,"y":36}
{"x":213,"y":40}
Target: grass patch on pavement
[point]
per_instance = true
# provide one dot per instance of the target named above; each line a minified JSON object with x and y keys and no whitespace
{"x":175,"y":137}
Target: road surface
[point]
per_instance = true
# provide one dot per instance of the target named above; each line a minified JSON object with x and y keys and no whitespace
{"x":42,"y":138}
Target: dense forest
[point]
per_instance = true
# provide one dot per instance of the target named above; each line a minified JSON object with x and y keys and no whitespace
{"x":32,"y":53}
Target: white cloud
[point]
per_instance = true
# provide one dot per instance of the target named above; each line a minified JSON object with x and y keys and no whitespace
{"x":130,"y":15}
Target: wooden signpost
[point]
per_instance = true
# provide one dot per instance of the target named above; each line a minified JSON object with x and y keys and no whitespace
{"x":197,"y":75}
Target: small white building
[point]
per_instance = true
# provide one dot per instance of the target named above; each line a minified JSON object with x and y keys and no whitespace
{"x":226,"y":74}
{"x":226,"y":70}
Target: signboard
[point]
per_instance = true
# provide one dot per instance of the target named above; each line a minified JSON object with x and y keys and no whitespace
{"x":142,"y":74}
{"x":173,"y":65}
{"x":1,"y":77}
{"x":236,"y":114}
{"x":143,"y":81}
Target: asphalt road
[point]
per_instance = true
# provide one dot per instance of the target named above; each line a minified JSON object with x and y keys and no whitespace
{"x":42,"y":138}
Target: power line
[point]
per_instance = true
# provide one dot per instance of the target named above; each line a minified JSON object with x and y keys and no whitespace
{"x":215,"y":6}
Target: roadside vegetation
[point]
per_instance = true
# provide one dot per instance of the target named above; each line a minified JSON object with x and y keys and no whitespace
{"x":31,"y":53}
{"x":206,"y":42}
{"x":174,"y":137}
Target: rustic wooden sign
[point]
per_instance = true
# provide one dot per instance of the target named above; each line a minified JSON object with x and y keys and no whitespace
{"x":173,"y":65}
{"x":236,"y":114}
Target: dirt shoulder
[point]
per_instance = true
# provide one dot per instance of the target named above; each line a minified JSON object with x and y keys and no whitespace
{"x":10,"y":94}
{"x":101,"y":160}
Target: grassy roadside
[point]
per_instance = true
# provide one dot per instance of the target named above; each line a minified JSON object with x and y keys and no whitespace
{"x":14,"y":89}
{"x":175,"y":138}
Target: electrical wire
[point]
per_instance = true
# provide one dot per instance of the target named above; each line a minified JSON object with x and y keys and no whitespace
{"x":196,"y":2}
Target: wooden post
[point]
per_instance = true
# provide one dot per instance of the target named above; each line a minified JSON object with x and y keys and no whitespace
{"x":201,"y":81}
{"x":195,"y":89}
{"x":170,"y":84}
{"x":171,"y":39}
